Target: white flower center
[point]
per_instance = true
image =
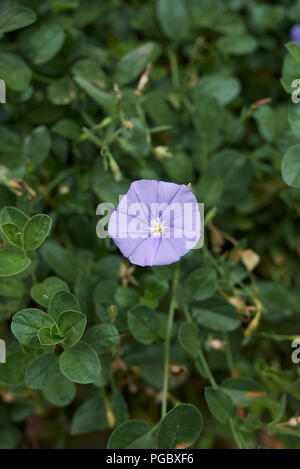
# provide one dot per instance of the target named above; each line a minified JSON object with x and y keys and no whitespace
{"x":157,"y":227}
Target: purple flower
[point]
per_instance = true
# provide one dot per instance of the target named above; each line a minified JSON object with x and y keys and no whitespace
{"x":156,"y":222}
{"x":295,"y":34}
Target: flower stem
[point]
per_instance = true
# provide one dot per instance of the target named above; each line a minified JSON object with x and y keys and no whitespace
{"x":168,"y":341}
{"x":228,"y":353}
{"x":174,"y":69}
{"x":215,"y":386}
{"x":235,"y":434}
{"x":207,"y":369}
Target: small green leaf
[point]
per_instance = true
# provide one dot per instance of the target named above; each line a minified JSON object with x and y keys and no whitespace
{"x":13,"y":215}
{"x":80,"y":364}
{"x":60,"y":392}
{"x":13,"y":234}
{"x":221,"y":87}
{"x":71,"y":325}
{"x":61,"y":261}
{"x":134,"y":434}
{"x":12,"y":262}
{"x":42,"y":371}
{"x":188,"y":337}
{"x":89,"y":417}
{"x":67,"y":128}
{"x":36,"y":231}
{"x":217,"y":314}
{"x":219,"y":403}
{"x":46,"y":338}
{"x":237,"y":44}
{"x":15,"y":17}
{"x":105,"y":99}
{"x":180,"y":428}
{"x":45,"y":43}
{"x":134,"y":63}
{"x":243,"y":391}
{"x":102,"y":337}
{"x":290,"y":166}
{"x":201,"y":284}
{"x":43,"y":292}
{"x":143,"y":324}
{"x":37,"y":145}
{"x":173,"y":18}
{"x":13,"y":371}
{"x":294,"y":50}
{"x":14,"y":71}
{"x":10,"y":437}
{"x":11,"y":287}
{"x":26,"y":324}
{"x":62,"y":301}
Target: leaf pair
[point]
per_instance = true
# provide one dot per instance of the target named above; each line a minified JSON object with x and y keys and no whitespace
{"x":22,"y":234}
{"x":179,"y":429}
{"x":31,"y":235}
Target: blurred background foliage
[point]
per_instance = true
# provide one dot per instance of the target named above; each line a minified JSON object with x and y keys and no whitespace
{"x":102,"y":93}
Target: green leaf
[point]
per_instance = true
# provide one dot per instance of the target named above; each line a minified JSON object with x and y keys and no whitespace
{"x":11,"y":287}
{"x":243,"y":391}
{"x":134,"y":434}
{"x":13,"y":371}
{"x":15,"y":17}
{"x":294,"y":118}
{"x":89,"y":417}
{"x":221,"y":87}
{"x":12,"y":262}
{"x":235,"y":171}
{"x":134,"y":63}
{"x":105,"y":99}
{"x":207,"y":110}
{"x":62,"y":301}
{"x":46,"y":338}
{"x":179,"y":167}
{"x":43,"y":292}
{"x":60,"y":260}
{"x":126,"y":297}
{"x":237,"y":44}
{"x":14,"y":71}
{"x":67,"y":128}
{"x":294,"y":50}
{"x":10,"y":437}
{"x":180,"y":428}
{"x":143,"y":324}
{"x":119,"y":407}
{"x":62,"y":93}
{"x":13,"y":234}
{"x":102,"y":337}
{"x":280,"y":410}
{"x":42,"y":371}
{"x":45,"y":43}
{"x":13,"y":215}
{"x":188,"y":337}
{"x":71,"y":325}
{"x":80,"y":364}
{"x":173,"y":18}
{"x":60,"y":392}
{"x":219,"y":403}
{"x":290,"y":166}
{"x":37,"y":145}
{"x":276,"y":306}
{"x":36,"y":231}
{"x":201,"y":284}
{"x":217,"y":314}
{"x":26,"y":324}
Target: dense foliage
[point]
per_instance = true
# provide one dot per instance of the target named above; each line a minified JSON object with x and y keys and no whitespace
{"x":102,"y":93}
